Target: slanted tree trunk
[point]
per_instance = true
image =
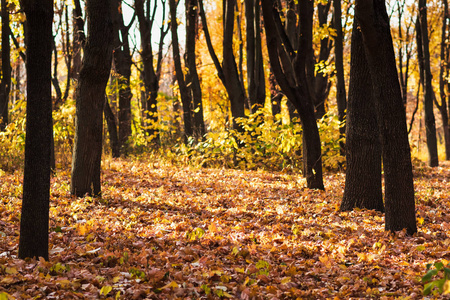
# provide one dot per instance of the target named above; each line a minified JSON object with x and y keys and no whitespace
{"x":112,"y":129}
{"x":90,"y":99}
{"x":5,"y":84}
{"x":151,"y":74}
{"x":186,"y":98}
{"x":33,"y":241}
{"x":399,"y":189}
{"x":122,"y":63}
{"x":289,"y":67}
{"x":192,"y":79}
{"x":339,"y":64}
{"x":430,"y":122}
{"x":363,"y":173}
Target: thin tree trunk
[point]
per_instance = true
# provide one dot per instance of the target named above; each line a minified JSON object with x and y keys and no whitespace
{"x":112,"y":129}
{"x":184,"y":93}
{"x":90,"y":99}
{"x":34,"y":220}
{"x":192,"y":75}
{"x":430,"y":123}
{"x":79,"y":38}
{"x":339,"y":64}
{"x":5,"y":84}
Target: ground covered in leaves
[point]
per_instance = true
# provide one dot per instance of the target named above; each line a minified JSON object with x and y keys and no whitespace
{"x":160,"y":231}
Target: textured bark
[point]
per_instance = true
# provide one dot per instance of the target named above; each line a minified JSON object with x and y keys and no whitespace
{"x":255,"y":65}
{"x":90,"y":99}
{"x":192,"y":79}
{"x":186,"y":98}
{"x":341,"y":97}
{"x":79,"y":38}
{"x":34,"y":225}
{"x":363,"y":173}
{"x":289,"y":68}
{"x":430,"y":122}
{"x":5,"y":84}
{"x":230,"y":71}
{"x":399,"y":189}
{"x":112,"y":129}
{"x":122,"y":63}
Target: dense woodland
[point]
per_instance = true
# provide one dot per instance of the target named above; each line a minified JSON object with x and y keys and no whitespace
{"x":224,"y":149}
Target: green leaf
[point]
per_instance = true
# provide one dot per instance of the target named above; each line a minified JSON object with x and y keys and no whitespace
{"x":428,"y":287}
{"x":4,"y":296}
{"x":429,"y":275}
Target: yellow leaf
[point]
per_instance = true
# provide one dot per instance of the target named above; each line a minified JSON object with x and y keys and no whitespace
{"x":446,"y":288}
{"x":11,"y":271}
{"x":4,"y":296}
{"x":116,"y":279}
{"x":105,"y":290}
{"x":285,"y":280}
{"x":240,"y":270}
{"x":173,"y":284}
{"x":420,"y":221}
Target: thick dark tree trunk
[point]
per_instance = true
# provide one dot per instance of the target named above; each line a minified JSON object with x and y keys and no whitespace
{"x":34,"y":226}
{"x":192,"y":79}
{"x":430,"y":122}
{"x":289,"y":68}
{"x":122,"y":62}
{"x":112,"y":129}
{"x":339,"y":64}
{"x":90,"y":99}
{"x":5,"y":84}
{"x":399,"y":189}
{"x":186,"y":98}
{"x":363,"y":173}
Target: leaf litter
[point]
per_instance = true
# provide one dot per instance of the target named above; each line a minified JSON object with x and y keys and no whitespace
{"x":164,"y":232}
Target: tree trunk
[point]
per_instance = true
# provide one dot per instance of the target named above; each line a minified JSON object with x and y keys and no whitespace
{"x":34,"y":219}
{"x":289,"y":68}
{"x":363,"y":173}
{"x":430,"y":123}
{"x":5,"y":84}
{"x":112,"y":129}
{"x":186,"y":99}
{"x":339,"y":64}
{"x":79,"y":38}
{"x":122,"y":62}
{"x":90,"y":99}
{"x":230,"y":71}
{"x":192,"y":79}
{"x":399,"y":189}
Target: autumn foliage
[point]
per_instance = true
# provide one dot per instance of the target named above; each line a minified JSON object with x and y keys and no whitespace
{"x":162,"y":232}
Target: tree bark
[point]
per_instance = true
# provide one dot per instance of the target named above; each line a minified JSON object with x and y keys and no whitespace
{"x":192,"y":79}
{"x":90,"y":99}
{"x":339,"y":64}
{"x":399,"y":189}
{"x":122,"y":63}
{"x":289,"y":68}
{"x":363,"y":173}
{"x":430,"y":122}
{"x":33,"y":241}
{"x":112,"y":129}
{"x":186,"y":98}
{"x":5,"y":84}
{"x":79,"y":38}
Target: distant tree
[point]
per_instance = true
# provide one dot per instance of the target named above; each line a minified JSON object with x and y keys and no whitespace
{"x":90,"y":99}
{"x":430,"y":122}
{"x":33,"y":241}
{"x":151,"y":72}
{"x":363,"y":148}
{"x":341,"y":97}
{"x":192,"y":79}
{"x":399,"y":189}
{"x":5,"y":84}
{"x":122,"y":65}
{"x":289,"y":65}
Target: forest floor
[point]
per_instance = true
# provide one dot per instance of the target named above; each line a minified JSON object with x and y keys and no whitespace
{"x":165,"y":232}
